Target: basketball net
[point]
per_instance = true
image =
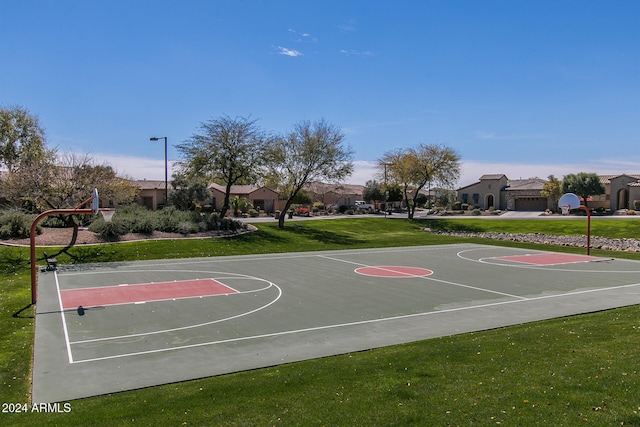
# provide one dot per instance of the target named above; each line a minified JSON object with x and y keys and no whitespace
{"x":565,"y":209}
{"x":107,"y":214}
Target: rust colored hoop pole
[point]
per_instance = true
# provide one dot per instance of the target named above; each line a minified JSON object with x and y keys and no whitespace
{"x":584,"y":208}
{"x":32,"y":242}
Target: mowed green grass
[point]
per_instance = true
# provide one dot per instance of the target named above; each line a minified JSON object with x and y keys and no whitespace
{"x":580,"y":370}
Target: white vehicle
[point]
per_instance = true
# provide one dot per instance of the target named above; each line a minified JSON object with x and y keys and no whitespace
{"x":364,"y":205}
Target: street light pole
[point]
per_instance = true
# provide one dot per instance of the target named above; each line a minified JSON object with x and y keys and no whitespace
{"x":166,"y":169}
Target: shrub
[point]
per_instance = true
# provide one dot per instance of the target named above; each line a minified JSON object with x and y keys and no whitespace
{"x":476,"y":212}
{"x":16,"y":225}
{"x":636,"y":205}
{"x":187,"y":227}
{"x":231,"y":224}
{"x":108,"y":230}
{"x":170,"y":219}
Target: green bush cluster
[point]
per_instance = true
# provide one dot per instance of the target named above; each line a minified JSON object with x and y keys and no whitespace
{"x":137,"y":219}
{"x":16,"y":225}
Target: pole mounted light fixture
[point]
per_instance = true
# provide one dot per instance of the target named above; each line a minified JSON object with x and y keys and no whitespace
{"x":166,"y":168}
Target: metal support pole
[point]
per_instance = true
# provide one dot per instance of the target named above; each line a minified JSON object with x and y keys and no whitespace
{"x":584,"y":208}
{"x":32,"y":241}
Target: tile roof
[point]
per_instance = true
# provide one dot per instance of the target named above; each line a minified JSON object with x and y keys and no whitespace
{"x":149,"y":184}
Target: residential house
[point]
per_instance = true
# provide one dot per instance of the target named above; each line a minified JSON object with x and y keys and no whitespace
{"x":334,"y":194}
{"x":486,"y":193}
{"x":151,"y":193}
{"x":262,"y":198}
{"x":621,"y":191}
{"x":499,"y":192}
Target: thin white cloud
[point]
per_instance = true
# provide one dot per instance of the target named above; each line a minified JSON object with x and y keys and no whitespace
{"x":350,"y":52}
{"x":135,"y":167}
{"x":303,"y":37}
{"x":493,"y":136}
{"x":287,"y":52}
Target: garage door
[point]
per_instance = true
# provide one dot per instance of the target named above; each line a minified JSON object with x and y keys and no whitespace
{"x":531,"y":204}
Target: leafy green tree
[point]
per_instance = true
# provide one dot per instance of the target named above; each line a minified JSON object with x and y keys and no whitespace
{"x":397,"y":167}
{"x":187,"y":193}
{"x":394,"y":193}
{"x":434,"y":164}
{"x":225,"y":150}
{"x":552,"y":189}
{"x":373,"y":191}
{"x":583,"y":184}
{"x":302,"y":198}
{"x":238,"y":204}
{"x":416,"y":168}
{"x":22,"y":139}
{"x":25,"y":157}
{"x":310,"y":152}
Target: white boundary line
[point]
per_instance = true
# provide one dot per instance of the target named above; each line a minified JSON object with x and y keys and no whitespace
{"x":518,"y":299}
{"x":430,"y":277}
{"x":358,"y":323}
{"x":64,"y":320}
{"x":287,"y":256}
{"x":487,"y":260}
{"x":182,"y":328}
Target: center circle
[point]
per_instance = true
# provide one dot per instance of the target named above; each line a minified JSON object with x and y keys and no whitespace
{"x":395,"y":271}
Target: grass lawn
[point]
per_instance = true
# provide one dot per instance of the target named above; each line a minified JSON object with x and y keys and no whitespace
{"x":580,"y":370}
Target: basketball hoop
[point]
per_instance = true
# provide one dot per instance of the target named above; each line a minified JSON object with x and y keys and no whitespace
{"x":570,"y":201}
{"x":107,"y":214}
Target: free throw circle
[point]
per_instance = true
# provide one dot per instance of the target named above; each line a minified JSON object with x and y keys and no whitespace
{"x":395,"y":271}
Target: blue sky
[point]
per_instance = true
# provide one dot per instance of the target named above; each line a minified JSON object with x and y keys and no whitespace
{"x":525,"y":88}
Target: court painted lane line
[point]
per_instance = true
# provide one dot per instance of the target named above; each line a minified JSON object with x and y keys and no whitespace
{"x":548,"y":259}
{"x":143,"y":292}
{"x":433,"y":279}
{"x":182,"y":328}
{"x":491,"y":261}
{"x":358,"y":323}
{"x":393,"y":271}
{"x":288,"y":256}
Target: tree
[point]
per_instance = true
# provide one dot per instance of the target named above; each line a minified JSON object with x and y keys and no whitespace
{"x":397,"y":167}
{"x":25,"y":157}
{"x":552,"y":189}
{"x":434,"y":164}
{"x":373,"y":191}
{"x":310,"y":152}
{"x":76,"y":175}
{"x":583,"y":184}
{"x":416,"y":168}
{"x":225,"y":150}
{"x":22,"y":139}
{"x":239,"y":204}
{"x":187,"y":193}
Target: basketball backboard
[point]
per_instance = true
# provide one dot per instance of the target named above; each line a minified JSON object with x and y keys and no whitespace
{"x":95,"y":202}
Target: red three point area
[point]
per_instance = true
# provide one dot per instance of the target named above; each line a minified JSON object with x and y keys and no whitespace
{"x":144,"y":292}
{"x":395,"y":271}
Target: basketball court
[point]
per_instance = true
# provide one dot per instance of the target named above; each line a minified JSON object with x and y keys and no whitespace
{"x":106,"y":328}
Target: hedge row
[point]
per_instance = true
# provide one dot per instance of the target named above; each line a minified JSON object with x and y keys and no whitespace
{"x":130,"y":219}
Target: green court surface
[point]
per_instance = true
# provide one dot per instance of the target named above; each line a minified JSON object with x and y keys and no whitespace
{"x":104,"y":328}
